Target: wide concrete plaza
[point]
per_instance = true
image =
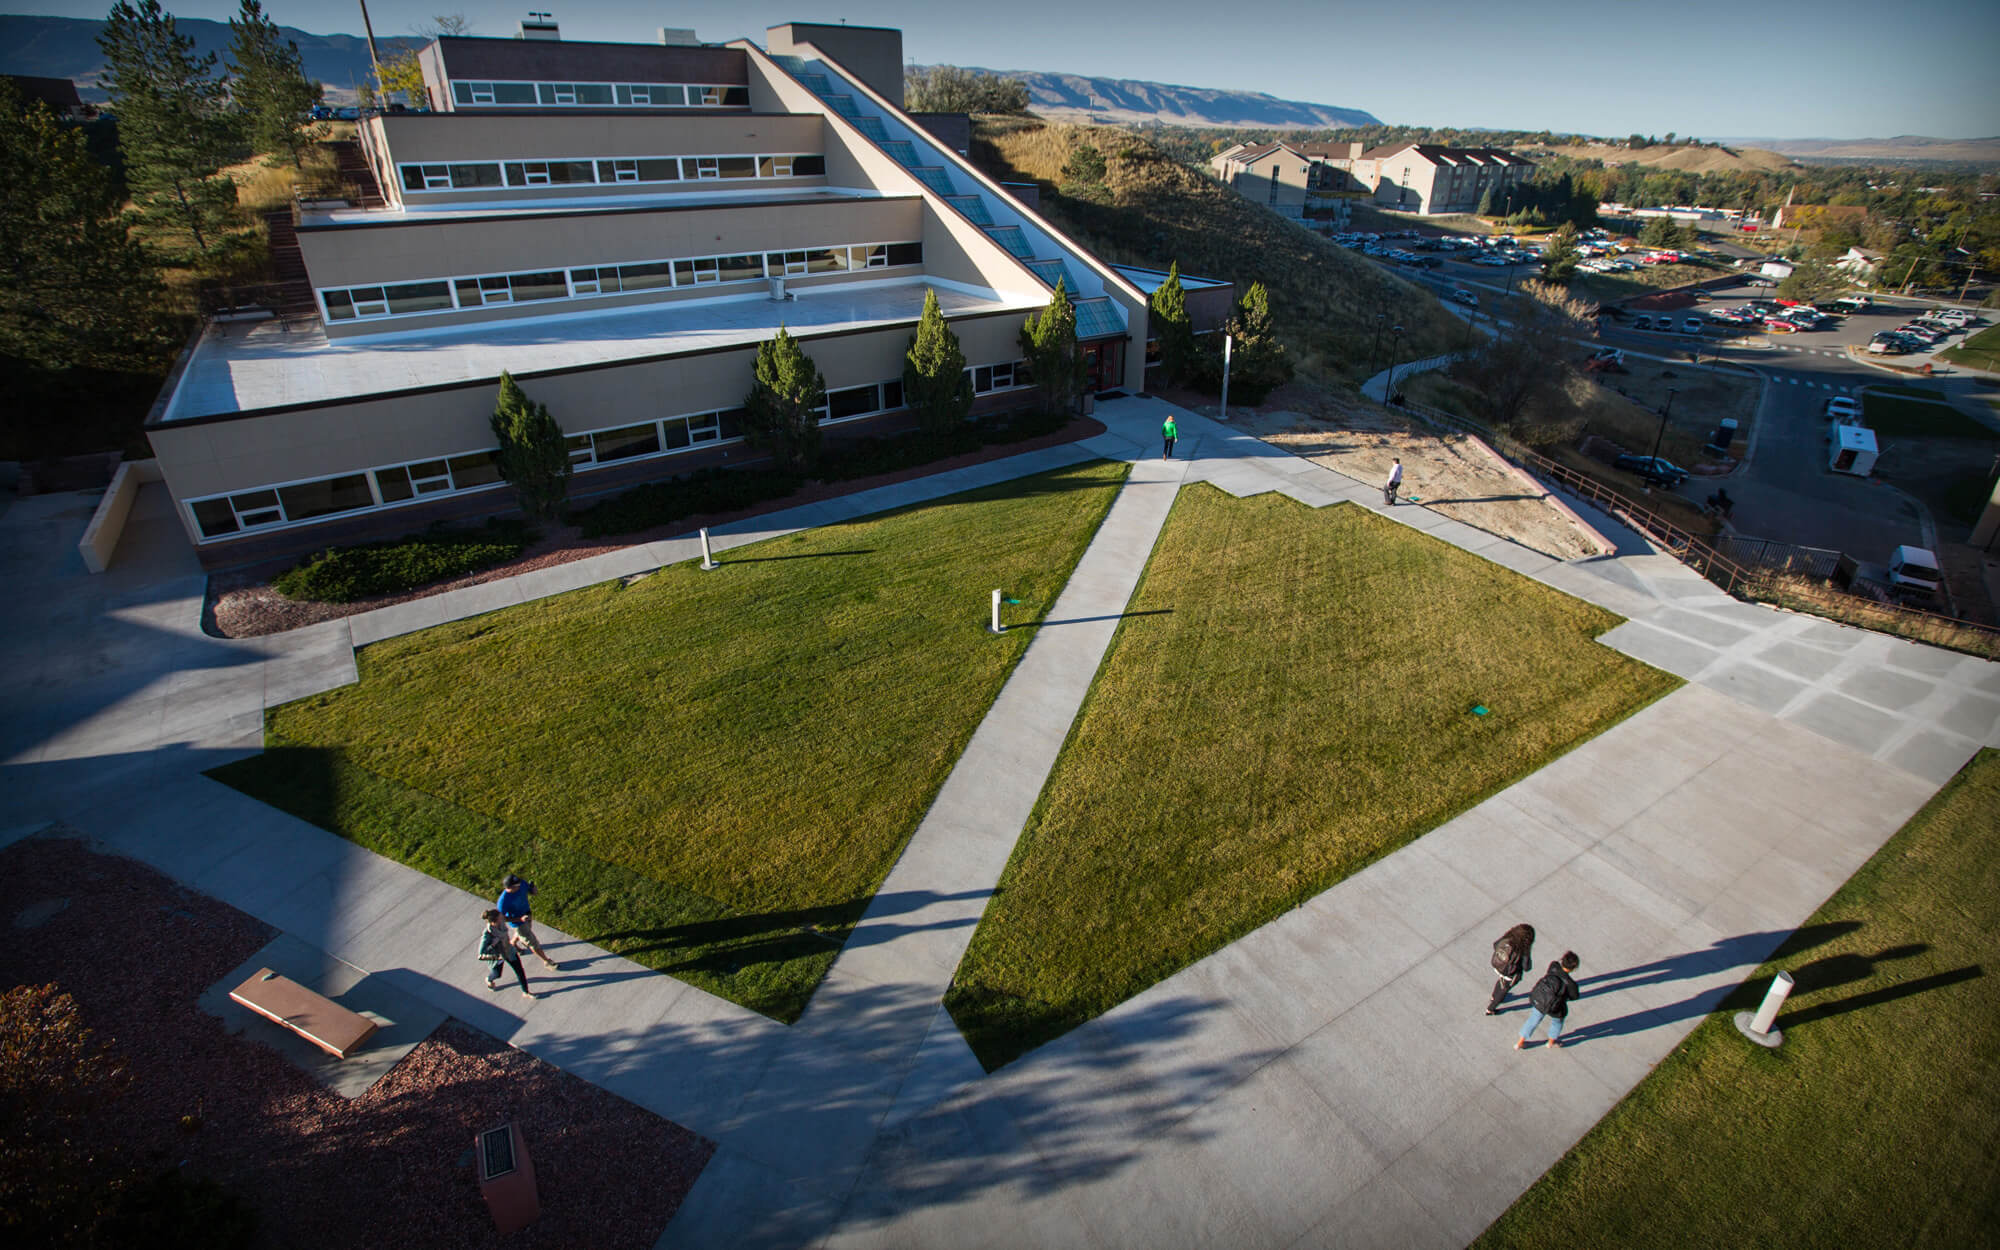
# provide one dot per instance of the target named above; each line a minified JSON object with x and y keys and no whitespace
{"x":1328,"y":1080}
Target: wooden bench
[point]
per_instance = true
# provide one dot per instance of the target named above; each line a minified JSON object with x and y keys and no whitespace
{"x":321,"y":1021}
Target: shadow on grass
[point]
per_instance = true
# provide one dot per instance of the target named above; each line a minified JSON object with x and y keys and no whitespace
{"x":803,"y":555}
{"x":1085,"y":620}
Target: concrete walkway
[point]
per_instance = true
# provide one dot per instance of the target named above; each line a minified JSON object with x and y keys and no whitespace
{"x":1327,"y":1079}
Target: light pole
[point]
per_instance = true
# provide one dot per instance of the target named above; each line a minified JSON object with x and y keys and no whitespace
{"x":1395,"y":359}
{"x":1375,"y":348}
{"x":1661,"y":436}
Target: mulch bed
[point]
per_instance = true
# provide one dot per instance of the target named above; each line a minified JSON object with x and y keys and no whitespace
{"x":241,"y":603}
{"x":391,"y":1168}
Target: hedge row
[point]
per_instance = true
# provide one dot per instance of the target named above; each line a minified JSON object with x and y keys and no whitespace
{"x":344,"y":574}
{"x":714,"y":490}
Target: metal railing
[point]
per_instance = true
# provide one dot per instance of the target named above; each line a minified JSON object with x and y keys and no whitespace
{"x":1696,"y":551}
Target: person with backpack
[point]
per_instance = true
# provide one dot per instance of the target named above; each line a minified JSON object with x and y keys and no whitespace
{"x":1550,"y":1000}
{"x":1513,"y":955}
{"x":496,"y":946}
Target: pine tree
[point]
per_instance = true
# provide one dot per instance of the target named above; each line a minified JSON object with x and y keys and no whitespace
{"x":1048,"y":339}
{"x":1485,"y":203}
{"x":534,"y":452}
{"x":935,"y":382}
{"x":1174,"y":329}
{"x":81,"y":292}
{"x":782,"y":408}
{"x":1559,"y":258}
{"x":1657,"y":232}
{"x":269,"y":83}
{"x":171,"y":125}
{"x":1258,"y":364}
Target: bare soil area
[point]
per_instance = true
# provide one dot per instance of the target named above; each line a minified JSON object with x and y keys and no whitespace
{"x":390,"y":1168}
{"x":1450,"y":472}
{"x":242,"y":604}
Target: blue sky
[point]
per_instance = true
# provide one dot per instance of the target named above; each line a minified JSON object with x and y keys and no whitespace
{"x":1708,"y":68}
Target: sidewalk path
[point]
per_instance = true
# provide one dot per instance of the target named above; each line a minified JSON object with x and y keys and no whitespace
{"x":1327,"y":1079}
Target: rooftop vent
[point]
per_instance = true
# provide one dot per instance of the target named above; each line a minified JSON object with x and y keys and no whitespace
{"x":539,"y":26}
{"x":675,"y":37}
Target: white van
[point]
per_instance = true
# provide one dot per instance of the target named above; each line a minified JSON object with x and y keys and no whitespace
{"x":1855,"y":303}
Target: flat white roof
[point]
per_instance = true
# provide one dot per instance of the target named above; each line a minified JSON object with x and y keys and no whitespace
{"x":247,"y":366}
{"x":1151,"y":280}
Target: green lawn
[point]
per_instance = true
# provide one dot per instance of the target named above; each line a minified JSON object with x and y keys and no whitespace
{"x":710,"y":773}
{"x":1980,"y":351}
{"x":1290,"y":698}
{"x":1878,"y":1121}
{"x":1905,"y":415}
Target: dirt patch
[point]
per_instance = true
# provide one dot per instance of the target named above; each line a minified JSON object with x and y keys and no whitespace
{"x":1449,"y":472}
{"x":392,"y":1167}
{"x":241,"y":603}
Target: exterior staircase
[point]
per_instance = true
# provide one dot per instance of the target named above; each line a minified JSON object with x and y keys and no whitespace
{"x":293,"y":296}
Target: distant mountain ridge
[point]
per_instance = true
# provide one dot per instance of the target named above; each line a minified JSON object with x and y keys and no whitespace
{"x":1898,"y":148}
{"x":1080,"y":97}
{"x":66,"y":47}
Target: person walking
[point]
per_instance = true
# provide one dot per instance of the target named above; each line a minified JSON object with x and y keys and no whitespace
{"x":1550,"y":1000}
{"x":1395,"y":482}
{"x":513,"y":905}
{"x":496,"y":945}
{"x":1513,"y":955}
{"x":1170,"y":432}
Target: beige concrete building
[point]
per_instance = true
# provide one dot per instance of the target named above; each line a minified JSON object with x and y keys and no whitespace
{"x":1431,"y":179}
{"x":1285,"y":177}
{"x":618,"y":226}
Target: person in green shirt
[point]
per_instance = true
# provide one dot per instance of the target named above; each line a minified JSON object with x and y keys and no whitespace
{"x":1170,"y":432}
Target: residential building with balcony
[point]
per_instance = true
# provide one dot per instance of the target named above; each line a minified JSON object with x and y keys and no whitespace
{"x":1431,"y":179}
{"x":619,"y":226}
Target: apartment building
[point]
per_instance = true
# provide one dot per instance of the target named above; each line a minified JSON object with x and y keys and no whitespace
{"x":1284,"y":177}
{"x":1431,"y":179}
{"x":619,"y":226}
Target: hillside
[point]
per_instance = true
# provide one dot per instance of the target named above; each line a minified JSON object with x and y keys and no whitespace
{"x":1911,"y":148}
{"x":66,"y":47}
{"x":1693,"y":160}
{"x":1323,"y":298}
{"x":1080,"y":98}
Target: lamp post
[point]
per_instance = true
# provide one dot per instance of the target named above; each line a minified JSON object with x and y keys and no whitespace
{"x":1395,"y":359}
{"x":1664,"y":414}
{"x":1375,"y":347}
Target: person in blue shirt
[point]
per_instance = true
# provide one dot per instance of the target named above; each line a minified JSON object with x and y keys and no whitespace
{"x":513,"y":905}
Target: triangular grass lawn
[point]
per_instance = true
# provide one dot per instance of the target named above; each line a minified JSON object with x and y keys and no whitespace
{"x":708,"y":772}
{"x":1288,"y":699}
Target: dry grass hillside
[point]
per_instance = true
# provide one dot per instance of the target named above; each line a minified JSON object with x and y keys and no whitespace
{"x":1688,"y":159}
{"x":1323,"y":298}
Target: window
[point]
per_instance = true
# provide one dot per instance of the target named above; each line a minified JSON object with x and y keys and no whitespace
{"x":579,"y":450}
{"x":481,"y":468}
{"x":906,"y":253}
{"x":706,"y":428}
{"x":696,"y":272}
{"x":719,"y":97}
{"x":731,"y":420}
{"x":676,"y":431}
{"x":808,"y":166}
{"x":618,"y":171}
{"x":645,"y":277}
{"x":871,"y":256}
{"x":787,"y":264}
{"x":339,"y":305}
{"x":663,"y":95}
{"x":322,"y":498}
{"x":593,"y":93}
{"x":997,"y":377}
{"x":702,"y":167}
{"x":826,"y":259}
{"x":739,"y":268}
{"x":737,"y":166}
{"x":774,"y":167}
{"x":853,"y":402}
{"x":214,"y":517}
{"x":485,"y":174}
{"x":430,"y":476}
{"x":531,"y":286}
{"x":512,"y":93}
{"x":594,"y":281}
{"x":474,"y":292}
{"x":419,"y":297}
{"x":663,"y":169}
{"x":633,"y":440}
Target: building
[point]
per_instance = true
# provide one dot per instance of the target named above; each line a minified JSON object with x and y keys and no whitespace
{"x":58,"y":93}
{"x":1428,"y":178}
{"x":619,"y":226}
{"x":1285,"y":177}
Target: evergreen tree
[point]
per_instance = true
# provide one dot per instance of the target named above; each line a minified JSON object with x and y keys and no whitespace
{"x":171,"y":122}
{"x":1657,"y":232}
{"x":1048,"y":340}
{"x":1559,"y":258}
{"x":1174,"y":329}
{"x":1083,"y":175}
{"x":1258,"y":364}
{"x":269,"y":83}
{"x":1485,"y":208}
{"x":81,"y":292}
{"x":935,"y":382}
{"x":782,"y":408}
{"x":534,"y":452}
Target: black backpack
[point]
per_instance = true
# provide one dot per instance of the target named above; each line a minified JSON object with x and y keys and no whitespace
{"x":1547,"y":994}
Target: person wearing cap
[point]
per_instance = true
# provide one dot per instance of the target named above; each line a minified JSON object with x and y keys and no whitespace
{"x":513,"y":905}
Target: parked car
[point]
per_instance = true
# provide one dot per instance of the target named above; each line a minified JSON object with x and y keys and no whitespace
{"x":1760,"y":282}
{"x":1691,"y":325}
{"x":1652,"y":469}
{"x":1888,"y":346}
{"x":1778,"y":325}
{"x":1642,"y":323}
{"x":1463,"y":296}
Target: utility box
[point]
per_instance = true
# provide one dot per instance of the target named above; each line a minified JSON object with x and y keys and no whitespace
{"x":1853,"y":451}
{"x":1725,"y":434}
{"x":507,"y":1178}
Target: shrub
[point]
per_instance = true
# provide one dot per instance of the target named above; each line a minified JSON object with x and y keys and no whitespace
{"x":345,"y":574}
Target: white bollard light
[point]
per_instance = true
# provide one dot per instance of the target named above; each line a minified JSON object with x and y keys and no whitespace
{"x":707,"y":559}
{"x":998,"y":628}
{"x":1758,"y":1027}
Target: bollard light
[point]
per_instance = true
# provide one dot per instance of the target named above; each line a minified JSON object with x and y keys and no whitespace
{"x":998,"y":628}
{"x":707,"y":558}
{"x":1758,"y":1027}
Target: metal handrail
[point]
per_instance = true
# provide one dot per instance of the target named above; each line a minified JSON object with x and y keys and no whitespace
{"x":1690,"y":548}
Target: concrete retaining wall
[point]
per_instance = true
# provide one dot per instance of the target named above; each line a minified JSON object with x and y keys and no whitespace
{"x":100,"y":537}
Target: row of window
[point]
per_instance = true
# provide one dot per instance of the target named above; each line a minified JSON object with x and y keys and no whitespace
{"x":405,"y":299}
{"x":272,"y":506}
{"x":672,"y":95}
{"x":485,"y":175}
